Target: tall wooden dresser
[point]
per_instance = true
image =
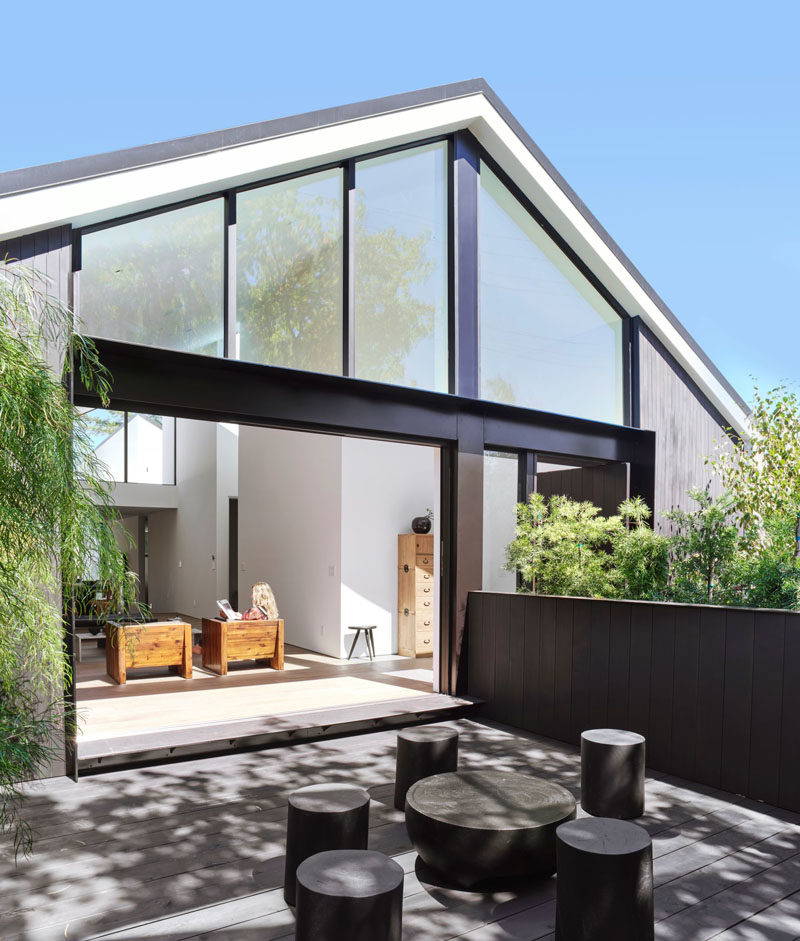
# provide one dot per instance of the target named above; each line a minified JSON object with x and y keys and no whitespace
{"x":416,"y":595}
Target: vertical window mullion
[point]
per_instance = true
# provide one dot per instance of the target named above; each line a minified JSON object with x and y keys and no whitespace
{"x":348,"y":265}
{"x":452,"y":255}
{"x":229,"y":277}
{"x":466,"y":170}
{"x":125,"y":447}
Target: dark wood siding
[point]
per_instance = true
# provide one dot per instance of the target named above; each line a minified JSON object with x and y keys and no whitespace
{"x":686,"y":426}
{"x":714,"y":690}
{"x":49,"y":252}
{"x":605,"y":486}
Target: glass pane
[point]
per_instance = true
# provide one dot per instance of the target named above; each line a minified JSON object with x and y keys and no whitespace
{"x":401,"y":268}
{"x":289,"y":273}
{"x":157,"y":280}
{"x":500,"y":489}
{"x":151,"y":449}
{"x":548,"y":340}
{"x":106,"y":432}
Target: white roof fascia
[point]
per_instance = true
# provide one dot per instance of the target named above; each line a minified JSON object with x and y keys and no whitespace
{"x":84,"y":202}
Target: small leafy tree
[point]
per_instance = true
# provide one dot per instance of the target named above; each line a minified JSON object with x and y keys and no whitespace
{"x":766,"y":573}
{"x":560,"y":547}
{"x":762,"y":476}
{"x":640,"y":556}
{"x":51,"y":523}
{"x":703,"y":550}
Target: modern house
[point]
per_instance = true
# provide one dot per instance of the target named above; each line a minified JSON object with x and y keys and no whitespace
{"x":340,"y":320}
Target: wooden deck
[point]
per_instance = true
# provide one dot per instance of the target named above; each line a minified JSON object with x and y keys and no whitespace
{"x":195,"y":851}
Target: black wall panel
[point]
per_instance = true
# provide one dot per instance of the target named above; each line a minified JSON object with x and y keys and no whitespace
{"x":715,"y":690}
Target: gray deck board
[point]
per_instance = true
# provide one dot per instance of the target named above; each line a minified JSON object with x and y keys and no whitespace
{"x":195,"y":851}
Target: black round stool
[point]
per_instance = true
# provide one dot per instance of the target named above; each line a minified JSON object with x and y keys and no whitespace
{"x":612,"y":773}
{"x":423,"y":751}
{"x":604,"y":881}
{"x":323,"y":817}
{"x":355,"y":895}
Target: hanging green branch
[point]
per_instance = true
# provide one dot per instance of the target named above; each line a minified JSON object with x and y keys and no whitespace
{"x":55,"y":522}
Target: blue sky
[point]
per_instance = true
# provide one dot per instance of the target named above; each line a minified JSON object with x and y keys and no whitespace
{"x":678,"y":125}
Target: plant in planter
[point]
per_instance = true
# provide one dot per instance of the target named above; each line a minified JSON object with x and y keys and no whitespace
{"x":55,"y":516}
{"x":703,"y":551}
{"x":640,"y":556}
{"x":561,"y":547}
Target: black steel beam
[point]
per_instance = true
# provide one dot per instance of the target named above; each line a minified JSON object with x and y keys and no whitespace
{"x":169,"y":382}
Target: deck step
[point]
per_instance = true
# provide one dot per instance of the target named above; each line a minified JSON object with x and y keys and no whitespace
{"x":214,"y":738}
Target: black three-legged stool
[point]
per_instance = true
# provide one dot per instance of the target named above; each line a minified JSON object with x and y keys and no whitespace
{"x":367,"y":629}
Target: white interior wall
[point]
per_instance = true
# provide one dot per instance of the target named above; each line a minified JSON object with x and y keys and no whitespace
{"x":183,"y":543}
{"x":289,"y":530}
{"x":384,"y":486}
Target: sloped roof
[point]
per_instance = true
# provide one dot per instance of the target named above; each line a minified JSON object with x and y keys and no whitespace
{"x":91,"y":189}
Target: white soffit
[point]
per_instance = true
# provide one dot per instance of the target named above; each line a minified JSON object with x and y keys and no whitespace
{"x":98,"y":198}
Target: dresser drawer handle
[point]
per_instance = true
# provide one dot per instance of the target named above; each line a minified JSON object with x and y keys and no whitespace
{"x":426,"y":623}
{"x":427,"y":640}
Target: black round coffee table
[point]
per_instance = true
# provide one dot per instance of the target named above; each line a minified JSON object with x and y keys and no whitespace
{"x":476,"y":825}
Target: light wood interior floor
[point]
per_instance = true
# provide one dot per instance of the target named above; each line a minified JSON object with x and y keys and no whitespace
{"x":155,"y":699}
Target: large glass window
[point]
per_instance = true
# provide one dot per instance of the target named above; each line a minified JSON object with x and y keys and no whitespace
{"x":157,"y":280}
{"x":500,"y":494}
{"x":130,"y":447}
{"x":401,"y":268}
{"x":548,"y":340}
{"x":105,"y":430}
{"x":289,"y":273}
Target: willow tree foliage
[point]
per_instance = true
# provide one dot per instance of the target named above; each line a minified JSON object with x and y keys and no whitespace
{"x":55,"y":519}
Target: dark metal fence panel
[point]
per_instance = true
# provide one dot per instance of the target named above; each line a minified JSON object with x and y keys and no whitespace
{"x":715,"y":690}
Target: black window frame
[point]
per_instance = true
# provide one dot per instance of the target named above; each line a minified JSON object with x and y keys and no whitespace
{"x":464,"y":156}
{"x":125,"y":451}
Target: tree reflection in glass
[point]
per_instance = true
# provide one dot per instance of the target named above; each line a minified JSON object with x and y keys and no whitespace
{"x":401,"y":268}
{"x":157,"y":280}
{"x":289,"y":273}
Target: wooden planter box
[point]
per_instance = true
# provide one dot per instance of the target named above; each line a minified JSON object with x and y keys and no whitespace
{"x":160,"y":644}
{"x":224,"y":641}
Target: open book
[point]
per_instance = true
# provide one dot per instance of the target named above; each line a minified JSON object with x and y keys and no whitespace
{"x":226,"y":612}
